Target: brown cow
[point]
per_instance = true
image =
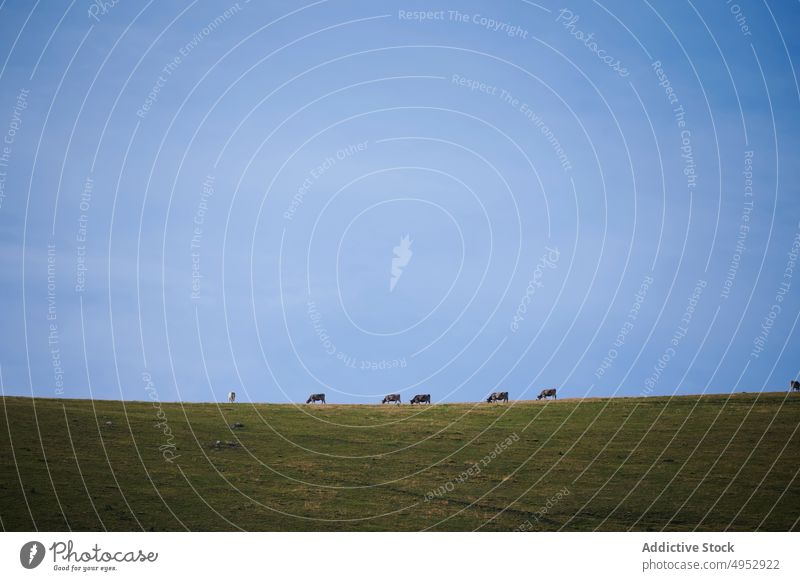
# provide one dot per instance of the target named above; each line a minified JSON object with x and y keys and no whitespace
{"x":497,"y":396}
{"x":547,"y":393}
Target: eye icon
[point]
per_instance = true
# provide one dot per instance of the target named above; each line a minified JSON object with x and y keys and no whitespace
{"x":31,"y":554}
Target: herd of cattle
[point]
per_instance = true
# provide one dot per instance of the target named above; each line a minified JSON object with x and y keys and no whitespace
{"x":495,"y":397}
{"x":426,"y":397}
{"x":421,"y":398}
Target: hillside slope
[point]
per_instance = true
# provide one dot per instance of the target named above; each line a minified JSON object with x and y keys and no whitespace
{"x":711,"y":463}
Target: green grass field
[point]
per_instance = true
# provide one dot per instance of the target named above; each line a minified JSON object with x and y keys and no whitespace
{"x":684,"y":463}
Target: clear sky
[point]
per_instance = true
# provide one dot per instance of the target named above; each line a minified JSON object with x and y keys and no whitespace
{"x":359,"y":198}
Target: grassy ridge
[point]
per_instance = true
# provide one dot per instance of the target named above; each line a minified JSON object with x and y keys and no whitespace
{"x":711,"y":463}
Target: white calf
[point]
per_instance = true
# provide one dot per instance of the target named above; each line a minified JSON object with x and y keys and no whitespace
{"x":231,"y":396}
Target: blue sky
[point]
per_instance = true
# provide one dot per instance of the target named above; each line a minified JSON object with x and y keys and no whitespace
{"x":581,"y":183}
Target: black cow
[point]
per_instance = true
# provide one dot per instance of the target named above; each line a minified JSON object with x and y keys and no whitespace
{"x":392,"y":397}
{"x":316,"y":397}
{"x":421,"y":398}
{"x":547,"y":393}
{"x":794,"y":385}
{"x":497,"y":396}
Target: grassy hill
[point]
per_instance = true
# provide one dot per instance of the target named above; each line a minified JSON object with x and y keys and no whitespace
{"x":711,"y":463}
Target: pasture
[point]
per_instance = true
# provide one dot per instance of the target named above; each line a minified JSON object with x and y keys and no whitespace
{"x":715,"y":462}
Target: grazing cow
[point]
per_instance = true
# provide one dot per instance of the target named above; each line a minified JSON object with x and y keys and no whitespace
{"x":316,"y":397}
{"x":231,"y":396}
{"x":547,"y":393}
{"x":497,"y":396}
{"x":392,"y":397}
{"x":794,"y":385}
{"x":421,"y":398}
